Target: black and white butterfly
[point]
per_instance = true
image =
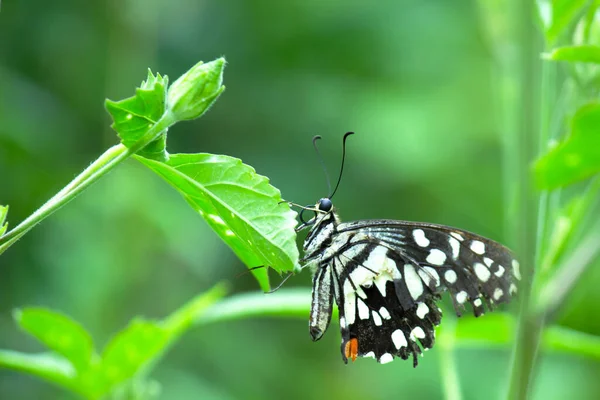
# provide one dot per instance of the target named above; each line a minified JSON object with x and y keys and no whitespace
{"x":386,"y":277}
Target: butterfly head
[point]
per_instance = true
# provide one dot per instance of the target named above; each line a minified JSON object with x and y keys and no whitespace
{"x":324,"y":205}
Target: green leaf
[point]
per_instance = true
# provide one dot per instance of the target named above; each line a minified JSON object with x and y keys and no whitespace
{"x":122,"y":369}
{"x":185,"y":317}
{"x":132,"y":349}
{"x":3,"y":223}
{"x":563,"y":13}
{"x":48,"y":366}
{"x":584,"y":53}
{"x":588,"y":20}
{"x":240,"y":205}
{"x":567,"y":222}
{"x":134,"y":116}
{"x":578,"y":157}
{"x":59,"y":333}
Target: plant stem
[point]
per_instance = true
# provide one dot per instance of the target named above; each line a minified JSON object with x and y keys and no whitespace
{"x":103,"y":165}
{"x":448,"y":368}
{"x":530,"y":325}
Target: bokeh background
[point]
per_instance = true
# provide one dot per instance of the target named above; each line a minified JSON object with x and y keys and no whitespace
{"x":416,"y":81}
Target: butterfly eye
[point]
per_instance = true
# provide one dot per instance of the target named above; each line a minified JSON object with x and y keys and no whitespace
{"x":325,"y":204}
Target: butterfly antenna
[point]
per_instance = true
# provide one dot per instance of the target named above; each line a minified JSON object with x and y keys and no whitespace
{"x":281,"y":284}
{"x":317,"y":137}
{"x":342,"y":167}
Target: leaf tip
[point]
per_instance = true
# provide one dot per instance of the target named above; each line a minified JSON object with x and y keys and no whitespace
{"x":17,"y":315}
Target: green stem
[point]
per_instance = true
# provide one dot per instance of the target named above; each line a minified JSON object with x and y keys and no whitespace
{"x":448,"y":368}
{"x":103,"y":165}
{"x":529,"y":325}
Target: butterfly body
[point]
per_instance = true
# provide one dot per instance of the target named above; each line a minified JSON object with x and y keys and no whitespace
{"x":386,"y":277}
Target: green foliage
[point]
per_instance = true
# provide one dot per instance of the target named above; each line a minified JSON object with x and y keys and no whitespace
{"x":568,"y":222}
{"x":59,"y":333}
{"x":239,"y":205}
{"x":585,"y":53}
{"x":576,"y":158}
{"x":134,"y":116}
{"x":562,"y":15}
{"x":123,"y":365}
{"x":3,"y":223}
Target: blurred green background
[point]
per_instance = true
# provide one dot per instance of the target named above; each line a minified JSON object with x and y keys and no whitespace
{"x":414,"y":79}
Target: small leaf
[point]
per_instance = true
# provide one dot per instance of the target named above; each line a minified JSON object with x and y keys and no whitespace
{"x":132,"y":349}
{"x":59,"y":333}
{"x":3,"y":223}
{"x":563,"y":12}
{"x":185,"y":317}
{"x":134,"y":116}
{"x":240,"y":205}
{"x":567,"y":223}
{"x":585,"y":53}
{"x":48,"y":366}
{"x":578,"y":157}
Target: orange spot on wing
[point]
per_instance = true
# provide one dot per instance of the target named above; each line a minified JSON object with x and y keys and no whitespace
{"x":351,"y":349}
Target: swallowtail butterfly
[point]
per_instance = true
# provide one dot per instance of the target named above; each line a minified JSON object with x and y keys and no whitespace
{"x":386,"y":277}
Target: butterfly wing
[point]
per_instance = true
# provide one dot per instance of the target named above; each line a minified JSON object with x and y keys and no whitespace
{"x":389,"y":274}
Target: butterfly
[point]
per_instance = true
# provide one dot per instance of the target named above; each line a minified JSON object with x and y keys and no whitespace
{"x":387,"y":276}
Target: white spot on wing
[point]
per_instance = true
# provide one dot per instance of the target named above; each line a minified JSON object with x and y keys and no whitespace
{"x":342,"y":322}
{"x":498,"y":293}
{"x":477,"y":302}
{"x":482,"y":272}
{"x":370,"y":354}
{"x":422,"y":310}
{"x":436,"y":257}
{"x":450,"y":276}
{"x":381,"y":283}
{"x":350,"y":307}
{"x":377,"y":259}
{"x":361,"y":276}
{"x":413,"y":282}
{"x":457,"y":236}
{"x":516,"y":269}
{"x":418,"y":333}
{"x":399,"y":339}
{"x":513,"y":288}
{"x":420,"y":238}
{"x":377,"y":319}
{"x":428,"y":274}
{"x":363,"y":310}
{"x":455,"y":245}
{"x":478,"y":247}
{"x":461,"y":296}
{"x":386,"y":358}
{"x":500,"y":271}
{"x":384,"y":313}
{"x":488,"y":261}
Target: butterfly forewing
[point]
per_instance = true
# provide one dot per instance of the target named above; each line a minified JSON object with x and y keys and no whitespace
{"x":387,"y":276}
